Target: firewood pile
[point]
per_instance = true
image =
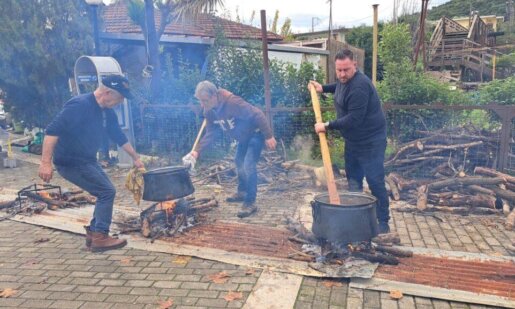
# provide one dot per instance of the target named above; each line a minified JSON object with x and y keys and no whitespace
{"x":36,"y":198}
{"x":487,"y":192}
{"x":169,"y":218}
{"x":274,"y":173}
{"x":445,"y":152}
{"x":323,"y":254}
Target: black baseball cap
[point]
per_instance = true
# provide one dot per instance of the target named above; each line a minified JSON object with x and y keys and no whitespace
{"x":118,"y":83}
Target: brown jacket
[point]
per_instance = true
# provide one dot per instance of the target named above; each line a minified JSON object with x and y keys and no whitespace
{"x":235,"y":117}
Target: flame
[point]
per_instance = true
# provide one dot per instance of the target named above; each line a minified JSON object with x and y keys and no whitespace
{"x":44,"y":194}
{"x":168,"y":205}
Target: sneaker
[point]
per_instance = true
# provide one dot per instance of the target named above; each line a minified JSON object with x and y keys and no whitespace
{"x":383,"y":227}
{"x":237,"y":197}
{"x":247,"y":209}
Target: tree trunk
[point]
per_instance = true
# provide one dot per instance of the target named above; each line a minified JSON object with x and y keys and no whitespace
{"x":153,"y":48}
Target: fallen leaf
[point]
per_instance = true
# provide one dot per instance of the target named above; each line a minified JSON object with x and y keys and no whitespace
{"x":396,"y":294}
{"x":181,"y":259}
{"x":7,"y":292}
{"x":220,"y":277}
{"x":165,"y":304}
{"x":331,"y":283}
{"x":250,"y":271}
{"x":126,"y":261}
{"x":41,"y":240}
{"x":233,"y":296}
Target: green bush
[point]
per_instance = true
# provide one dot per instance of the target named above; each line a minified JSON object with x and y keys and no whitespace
{"x":501,"y":91}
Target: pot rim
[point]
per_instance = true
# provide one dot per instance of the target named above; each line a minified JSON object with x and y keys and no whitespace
{"x":166,"y":169}
{"x":373,"y":200}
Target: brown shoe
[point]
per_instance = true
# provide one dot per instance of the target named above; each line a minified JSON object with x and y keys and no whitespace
{"x":88,"y":236}
{"x":102,"y":242}
{"x":247,"y":209}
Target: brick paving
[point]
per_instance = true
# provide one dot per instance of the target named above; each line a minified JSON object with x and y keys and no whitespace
{"x":58,"y":274}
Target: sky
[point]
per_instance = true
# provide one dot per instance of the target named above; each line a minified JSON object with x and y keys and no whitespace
{"x":304,"y":14}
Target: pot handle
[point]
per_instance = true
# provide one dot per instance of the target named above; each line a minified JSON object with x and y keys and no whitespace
{"x":315,"y":210}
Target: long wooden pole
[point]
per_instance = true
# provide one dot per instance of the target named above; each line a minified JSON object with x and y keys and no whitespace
{"x":374,"y":46}
{"x":334,"y":198}
{"x":199,"y":134}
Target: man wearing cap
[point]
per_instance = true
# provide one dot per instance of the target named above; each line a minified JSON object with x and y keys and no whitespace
{"x":228,"y":113}
{"x":72,"y":140}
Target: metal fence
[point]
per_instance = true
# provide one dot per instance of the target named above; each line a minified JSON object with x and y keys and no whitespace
{"x":170,"y":130}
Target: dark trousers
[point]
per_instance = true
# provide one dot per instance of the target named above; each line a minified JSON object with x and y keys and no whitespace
{"x":367,"y":161}
{"x":91,"y":178}
{"x":246,"y":159}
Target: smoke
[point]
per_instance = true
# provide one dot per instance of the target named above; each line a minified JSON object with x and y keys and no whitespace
{"x":302,"y":146}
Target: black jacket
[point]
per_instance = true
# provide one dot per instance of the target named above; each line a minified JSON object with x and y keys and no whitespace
{"x":80,"y":126}
{"x":360,"y":118}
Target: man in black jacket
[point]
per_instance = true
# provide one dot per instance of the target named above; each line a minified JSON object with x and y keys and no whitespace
{"x":361,"y":122}
{"x":72,"y":141}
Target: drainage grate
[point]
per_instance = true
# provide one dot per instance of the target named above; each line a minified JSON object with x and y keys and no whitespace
{"x":486,"y":277}
{"x":238,"y":237}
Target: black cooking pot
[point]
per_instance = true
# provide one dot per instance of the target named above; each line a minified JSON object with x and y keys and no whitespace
{"x":351,"y":221}
{"x":167,"y":183}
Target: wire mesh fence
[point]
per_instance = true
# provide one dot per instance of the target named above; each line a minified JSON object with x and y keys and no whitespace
{"x":422,"y":140}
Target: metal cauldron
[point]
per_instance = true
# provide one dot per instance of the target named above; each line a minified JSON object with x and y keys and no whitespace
{"x":354,"y":220}
{"x":167,"y":183}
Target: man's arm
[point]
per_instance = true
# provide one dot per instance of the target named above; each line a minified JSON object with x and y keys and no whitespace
{"x":134,"y":155}
{"x":45,"y":168}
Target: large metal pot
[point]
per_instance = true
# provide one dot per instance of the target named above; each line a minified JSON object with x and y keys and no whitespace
{"x":167,"y":183}
{"x":353,"y":220}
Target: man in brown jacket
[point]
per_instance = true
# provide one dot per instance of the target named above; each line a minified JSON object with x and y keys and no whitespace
{"x":228,"y":113}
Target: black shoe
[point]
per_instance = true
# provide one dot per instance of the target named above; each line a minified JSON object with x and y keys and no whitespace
{"x":384,"y":228}
{"x":237,"y":197}
{"x":247,"y":210}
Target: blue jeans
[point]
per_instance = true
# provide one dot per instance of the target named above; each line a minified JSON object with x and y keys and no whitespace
{"x":246,"y":159}
{"x":91,"y":178}
{"x":367,"y":161}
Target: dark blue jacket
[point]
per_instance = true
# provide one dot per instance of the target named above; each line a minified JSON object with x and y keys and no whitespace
{"x":80,"y":126}
{"x":360,"y":118}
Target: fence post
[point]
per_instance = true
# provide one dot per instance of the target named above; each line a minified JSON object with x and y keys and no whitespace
{"x":506,"y":113}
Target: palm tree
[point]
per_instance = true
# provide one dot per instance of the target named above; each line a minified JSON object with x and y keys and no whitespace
{"x":142,"y":13}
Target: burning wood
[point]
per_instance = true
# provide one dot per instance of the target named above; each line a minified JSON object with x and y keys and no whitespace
{"x":169,"y":217}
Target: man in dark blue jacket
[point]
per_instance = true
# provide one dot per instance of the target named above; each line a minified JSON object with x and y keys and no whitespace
{"x":361,"y":122}
{"x":72,"y":141}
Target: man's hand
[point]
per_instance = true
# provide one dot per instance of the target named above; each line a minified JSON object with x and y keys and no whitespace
{"x":190,"y":160}
{"x":45,"y":171}
{"x":271,"y":143}
{"x":320,"y":128}
{"x":317,"y":86}
{"x":138,"y":163}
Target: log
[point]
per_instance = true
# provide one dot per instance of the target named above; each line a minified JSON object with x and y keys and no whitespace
{"x":510,"y":186}
{"x":418,"y":159}
{"x":402,"y":183}
{"x":394,"y":251}
{"x":480,"y":200}
{"x":390,"y":238}
{"x":452,"y":147}
{"x":510,"y":221}
{"x":300,"y":230}
{"x":504,"y":194}
{"x":377,"y":258}
{"x":8,"y":204}
{"x":490,"y":172}
{"x":414,"y":145}
{"x":49,"y":202}
{"x":422,"y":197}
{"x":393,"y":188}
{"x":479,"y":189}
{"x":471,"y":180}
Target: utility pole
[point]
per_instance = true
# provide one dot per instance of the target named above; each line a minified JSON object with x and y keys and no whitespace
{"x":395,"y":11}
{"x":330,"y":20}
{"x":510,"y":14}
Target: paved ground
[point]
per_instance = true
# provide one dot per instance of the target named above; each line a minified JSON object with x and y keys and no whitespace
{"x":58,"y":274}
